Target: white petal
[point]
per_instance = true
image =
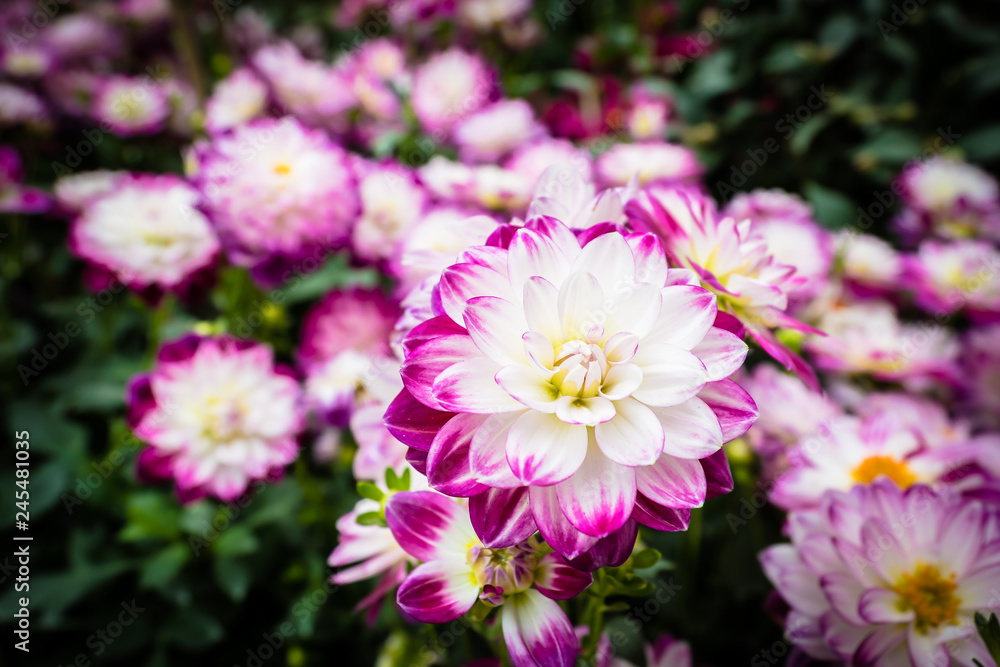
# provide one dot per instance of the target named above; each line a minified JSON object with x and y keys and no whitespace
{"x":621,"y":381}
{"x":496,"y":326}
{"x":587,"y":411}
{"x":527,"y":386}
{"x":581,"y":305}
{"x":609,"y":259}
{"x":692,"y":429}
{"x":670,"y":374}
{"x":469,"y":386}
{"x":542,"y":450}
{"x":686,"y":316}
{"x":634,"y":437}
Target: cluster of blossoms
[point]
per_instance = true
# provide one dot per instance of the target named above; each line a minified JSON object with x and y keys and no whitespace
{"x":550,"y":358}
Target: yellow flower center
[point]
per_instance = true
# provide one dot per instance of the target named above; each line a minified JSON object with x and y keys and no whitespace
{"x":282,"y":168}
{"x":929,"y":595}
{"x":874,"y":466}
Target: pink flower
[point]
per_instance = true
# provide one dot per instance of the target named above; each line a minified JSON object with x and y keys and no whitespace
{"x":961,"y":275}
{"x":392,"y":201}
{"x":651,"y":162}
{"x":315,"y":92}
{"x":868,"y":338}
{"x":496,"y":130}
{"x":664,"y":652}
{"x":980,"y":384}
{"x":793,"y":236}
{"x":435,"y":242}
{"x":563,"y":193}
{"x":870,"y":266}
{"x":131,"y":105}
{"x":148,"y":232}
{"x":15,"y":197}
{"x":882,"y":576}
{"x":21,"y":106}
{"x":484,"y":15}
{"x":277,"y":193}
{"x":948,"y":199}
{"x":849,"y":451}
{"x":578,"y":382}
{"x":217,"y":415}
{"x":732,"y":260}
{"x":237,"y":99}
{"x":457,"y":570}
{"x":533,"y":159}
{"x":450,"y":86}
{"x":76,"y":192}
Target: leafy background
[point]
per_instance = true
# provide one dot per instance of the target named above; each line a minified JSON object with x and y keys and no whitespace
{"x":208,"y":594}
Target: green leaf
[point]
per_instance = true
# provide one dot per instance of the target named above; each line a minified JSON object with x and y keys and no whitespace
{"x":235,"y":541}
{"x":233,"y":577}
{"x":192,"y":629}
{"x":838,"y":32}
{"x":645,"y":558}
{"x":982,"y":145}
{"x":164,"y":566}
{"x":833,"y":209}
{"x":893,"y":146}
{"x":151,"y":514}
{"x":372,"y":492}
{"x":372,"y":519}
{"x":989,"y":630}
{"x":806,"y":132}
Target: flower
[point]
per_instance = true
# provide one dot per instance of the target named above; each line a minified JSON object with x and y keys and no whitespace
{"x":147,"y":232}
{"x":450,"y":86}
{"x":961,"y":275}
{"x":457,"y":570}
{"x":484,"y":15}
{"x":980,"y":377}
{"x":948,"y":199}
{"x":392,"y":201}
{"x":666,"y":651}
{"x":731,"y":260}
{"x":886,"y":576}
{"x":316,"y":93}
{"x":533,"y":159}
{"x":237,"y":99}
{"x":868,"y":337}
{"x":650,"y":162}
{"x":564,"y":194}
{"x":18,"y":105}
{"x":15,"y":197}
{"x":496,"y":130}
{"x":130,"y":105}
{"x":848,"y":451}
{"x":277,"y":193}
{"x":434,"y":243}
{"x":217,"y":414}
{"x":869,"y":265}
{"x":793,"y":236}
{"x":76,"y":192}
{"x":579,"y":381}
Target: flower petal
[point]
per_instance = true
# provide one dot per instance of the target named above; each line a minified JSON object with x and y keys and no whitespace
{"x":880,"y":605}
{"x":581,"y":305}
{"x":429,"y":526}
{"x":673,"y":482}
{"x":599,"y":497}
{"x":448,"y":461}
{"x":502,"y":517}
{"x":532,"y":254}
{"x":609,"y":551}
{"x":693,"y":430}
{"x":556,"y":580}
{"x":585,"y":411}
{"x":541,"y":310}
{"x":439,"y":591}
{"x":634,"y":310}
{"x":650,"y":260}
{"x":496,"y":326}
{"x":462,"y":282}
{"x":527,"y":386}
{"x":722,"y":353}
{"x":732,"y":405}
{"x":658,"y":517}
{"x":634,"y":437}
{"x":670,"y":374}
{"x":686,"y":316}
{"x":428,"y":361}
{"x":620,"y":381}
{"x":543,"y":450}
{"x":488,"y":451}
{"x":609,"y":259}
{"x":555,"y":528}
{"x":537,"y":631}
{"x":470,"y":386}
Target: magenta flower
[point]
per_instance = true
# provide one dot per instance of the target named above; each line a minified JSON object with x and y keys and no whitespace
{"x":980,"y":378}
{"x":869,"y":266}
{"x":579,"y":384}
{"x":75,"y":192}
{"x":392,"y":202}
{"x":961,"y":275}
{"x":948,"y":199}
{"x":319,"y":94}
{"x":280,"y":196}
{"x":237,"y":99}
{"x":131,"y":105}
{"x":666,"y":651}
{"x":457,"y":570}
{"x":148,"y":233}
{"x":217,"y":414}
{"x":882,"y":576}
{"x":651,"y":162}
{"x":496,"y":130}
{"x":450,"y":86}
{"x":731,"y":260}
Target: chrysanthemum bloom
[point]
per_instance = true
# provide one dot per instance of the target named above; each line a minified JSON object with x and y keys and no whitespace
{"x":652,"y":162}
{"x":563,"y":193}
{"x":378,"y":449}
{"x":868,"y":338}
{"x":980,"y":384}
{"x":278,"y":194}
{"x":485,"y":15}
{"x":849,"y":451}
{"x":882,"y":576}
{"x":577,"y":383}
{"x":793,"y":236}
{"x":131,"y":105}
{"x":450,"y":86}
{"x":29,"y":61}
{"x":457,"y":569}
{"x":82,"y":36}
{"x":790,"y":411}
{"x":384,"y":59}
{"x":217,"y":414}
{"x":15,"y":196}
{"x":948,"y":199}
{"x":664,"y":652}
{"x":148,"y":233}
{"x":494,"y":131}
{"x":731,"y":260}
{"x":237,"y":99}
{"x":434,"y":243}
{"x":313,"y":91}
{"x":345,"y":341}
{"x":76,"y":192}
{"x":485,"y":186}
{"x":533,"y":159}
{"x":869,"y":266}
{"x":392,"y":201}
{"x":960,"y":275}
